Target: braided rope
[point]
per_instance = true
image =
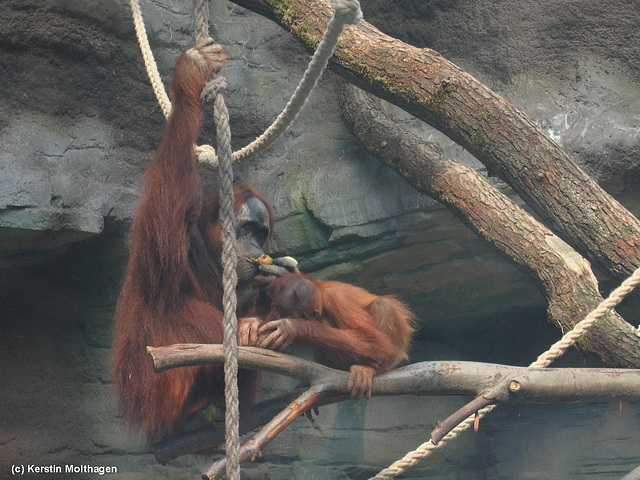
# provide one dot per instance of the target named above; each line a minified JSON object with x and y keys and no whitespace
{"x":544,"y":360}
{"x":201,"y":18}
{"x":345,"y":12}
{"x":229,"y":257}
{"x":614,"y":298}
{"x":229,"y":283}
{"x":149,"y":60}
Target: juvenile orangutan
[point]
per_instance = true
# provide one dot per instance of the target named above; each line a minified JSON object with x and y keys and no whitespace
{"x":349,"y":327}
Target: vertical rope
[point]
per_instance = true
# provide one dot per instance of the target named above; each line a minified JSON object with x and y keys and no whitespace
{"x":202,"y":19}
{"x":229,"y":282}
{"x":229,"y":258}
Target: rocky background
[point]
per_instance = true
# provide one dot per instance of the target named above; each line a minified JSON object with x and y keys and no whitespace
{"x":78,"y":122}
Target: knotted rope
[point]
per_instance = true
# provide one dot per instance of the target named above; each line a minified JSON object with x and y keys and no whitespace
{"x":345,"y":12}
{"x":544,"y":360}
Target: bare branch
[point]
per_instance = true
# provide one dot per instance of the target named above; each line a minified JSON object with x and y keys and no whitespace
{"x":497,"y":383}
{"x":190,"y":354}
{"x":251,"y":449}
{"x":548,"y":385}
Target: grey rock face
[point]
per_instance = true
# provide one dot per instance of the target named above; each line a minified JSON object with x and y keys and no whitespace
{"x":78,"y":123}
{"x":574,"y":67}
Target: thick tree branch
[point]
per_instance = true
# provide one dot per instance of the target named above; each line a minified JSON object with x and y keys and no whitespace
{"x":563,"y":276}
{"x":506,"y":140}
{"x":426,"y":378}
{"x":547,"y":385}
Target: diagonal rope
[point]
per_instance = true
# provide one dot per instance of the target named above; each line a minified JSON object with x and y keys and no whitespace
{"x":345,"y":12}
{"x":544,"y":360}
{"x":568,"y":339}
{"x":149,"y":60}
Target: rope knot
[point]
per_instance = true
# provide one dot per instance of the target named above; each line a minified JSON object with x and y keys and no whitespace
{"x":348,"y":11}
{"x":215,"y":87}
{"x":207,"y":154}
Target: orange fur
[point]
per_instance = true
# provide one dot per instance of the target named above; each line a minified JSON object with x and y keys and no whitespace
{"x":168,"y":295}
{"x":346,"y":324}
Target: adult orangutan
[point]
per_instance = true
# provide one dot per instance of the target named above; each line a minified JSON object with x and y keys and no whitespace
{"x":349,"y":327}
{"x":172,"y":289}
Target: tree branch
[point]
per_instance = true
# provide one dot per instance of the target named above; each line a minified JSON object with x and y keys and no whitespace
{"x":192,"y":354}
{"x":548,"y":385}
{"x":507,"y":141}
{"x":563,"y":276}
{"x":426,"y":378}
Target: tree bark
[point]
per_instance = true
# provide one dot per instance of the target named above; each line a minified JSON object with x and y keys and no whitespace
{"x":563,"y":276}
{"x":490,"y":383}
{"x":506,"y":140}
{"x":326,"y":385}
{"x":536,"y":385}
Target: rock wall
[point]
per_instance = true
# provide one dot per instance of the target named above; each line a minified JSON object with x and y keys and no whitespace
{"x":78,"y":122}
{"x":572,"y":66}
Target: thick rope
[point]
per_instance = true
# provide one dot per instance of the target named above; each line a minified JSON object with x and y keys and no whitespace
{"x":201,"y":18}
{"x":634,"y":475}
{"x":229,"y":257}
{"x":149,"y":60}
{"x":544,"y":360}
{"x":345,"y":12}
{"x":229,"y":283}
{"x":614,"y":298}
